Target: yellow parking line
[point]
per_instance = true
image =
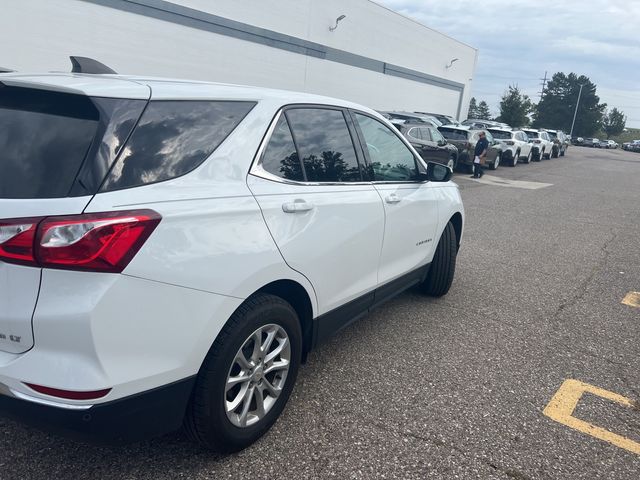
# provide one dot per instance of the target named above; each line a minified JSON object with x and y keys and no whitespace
{"x":632,"y":299}
{"x":564,"y":402}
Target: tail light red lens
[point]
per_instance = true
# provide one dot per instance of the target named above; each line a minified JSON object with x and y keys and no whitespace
{"x":102,"y":242}
{"x":16,"y":240}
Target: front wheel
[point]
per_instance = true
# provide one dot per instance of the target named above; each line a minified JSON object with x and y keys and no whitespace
{"x":528,"y":159}
{"x":495,"y":163}
{"x":247,"y":376}
{"x":443,"y":265}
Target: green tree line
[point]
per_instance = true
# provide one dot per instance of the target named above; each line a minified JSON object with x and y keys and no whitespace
{"x":556,"y":108}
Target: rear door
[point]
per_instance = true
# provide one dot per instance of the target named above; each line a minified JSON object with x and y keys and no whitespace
{"x":326,"y":220}
{"x":48,"y":140}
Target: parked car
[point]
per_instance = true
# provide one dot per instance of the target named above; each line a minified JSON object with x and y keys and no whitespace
{"x":480,"y":124}
{"x":444,"y":119}
{"x":560,"y":143}
{"x":516,"y":146}
{"x":465,"y":140}
{"x":595,"y":143}
{"x":429,"y":143}
{"x":633,"y":145}
{"x":156,"y":271}
{"x":542,"y":144}
{"x":411,"y":117}
{"x":608,"y":144}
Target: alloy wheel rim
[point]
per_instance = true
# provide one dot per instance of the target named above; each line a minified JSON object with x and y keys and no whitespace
{"x":450,"y":163}
{"x":257,"y":375}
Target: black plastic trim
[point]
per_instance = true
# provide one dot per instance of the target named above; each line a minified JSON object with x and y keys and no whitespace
{"x":331,"y":322}
{"x":137,"y":417}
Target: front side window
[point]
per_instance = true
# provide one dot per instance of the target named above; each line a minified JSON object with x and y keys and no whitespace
{"x":390,"y":158}
{"x":324,"y":145}
{"x":416,"y":134}
{"x":426,"y":134}
{"x":172,"y":138}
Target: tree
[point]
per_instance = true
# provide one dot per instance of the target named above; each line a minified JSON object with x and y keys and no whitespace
{"x":473,"y":108}
{"x":483,"y":112}
{"x":613,"y":122}
{"x":514,"y":107}
{"x":557,"y":106}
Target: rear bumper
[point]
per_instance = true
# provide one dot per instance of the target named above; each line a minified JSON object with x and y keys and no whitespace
{"x":137,"y":417}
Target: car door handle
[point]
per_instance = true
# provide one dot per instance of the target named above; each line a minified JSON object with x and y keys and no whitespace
{"x":393,"y":198}
{"x":298,"y":205}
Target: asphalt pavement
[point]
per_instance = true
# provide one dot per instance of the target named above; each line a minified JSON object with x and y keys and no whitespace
{"x":477,"y":384}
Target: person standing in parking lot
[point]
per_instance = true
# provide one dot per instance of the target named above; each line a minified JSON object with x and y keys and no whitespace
{"x":479,"y":153}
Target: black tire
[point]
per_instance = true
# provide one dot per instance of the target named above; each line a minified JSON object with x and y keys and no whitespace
{"x":206,"y":420}
{"x":452,"y":161}
{"x":529,"y":157}
{"x":443,"y":265}
{"x":514,"y":160}
{"x":494,"y":165}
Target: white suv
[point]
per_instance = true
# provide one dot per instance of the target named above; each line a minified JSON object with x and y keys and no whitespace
{"x":516,"y":145}
{"x":542,"y":143}
{"x":170,"y":251}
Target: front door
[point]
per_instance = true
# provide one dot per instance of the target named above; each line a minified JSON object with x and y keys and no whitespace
{"x":410,"y":204}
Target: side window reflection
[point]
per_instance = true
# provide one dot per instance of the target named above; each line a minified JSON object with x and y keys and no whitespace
{"x":390,"y":158}
{"x":324,"y":145}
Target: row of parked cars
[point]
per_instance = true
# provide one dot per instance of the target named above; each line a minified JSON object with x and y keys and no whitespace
{"x":453,"y":143}
{"x":632,"y":146}
{"x":595,"y":143}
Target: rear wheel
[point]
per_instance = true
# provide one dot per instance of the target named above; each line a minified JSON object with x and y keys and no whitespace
{"x":514,"y":160}
{"x":528,"y":159}
{"x":443,"y":265}
{"x":452,"y":162}
{"x":495,"y":163}
{"x":247,"y":376}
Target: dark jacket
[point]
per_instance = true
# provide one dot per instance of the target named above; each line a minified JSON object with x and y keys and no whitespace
{"x":481,"y":146}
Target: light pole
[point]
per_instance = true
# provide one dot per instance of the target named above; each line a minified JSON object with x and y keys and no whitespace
{"x":576,"y":112}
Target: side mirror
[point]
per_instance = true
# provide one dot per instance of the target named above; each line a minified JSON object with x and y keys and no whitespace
{"x":442,"y":143}
{"x":436,"y":172}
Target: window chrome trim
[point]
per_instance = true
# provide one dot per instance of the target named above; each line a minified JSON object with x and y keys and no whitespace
{"x":257,"y":170}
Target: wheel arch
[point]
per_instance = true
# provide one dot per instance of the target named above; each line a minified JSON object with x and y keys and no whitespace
{"x":456,"y":221}
{"x":297,"y":296}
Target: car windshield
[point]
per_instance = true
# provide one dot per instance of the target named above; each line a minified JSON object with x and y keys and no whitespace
{"x":453,"y":134}
{"x":553,"y":135}
{"x":531,"y":134}
{"x":501,"y":134}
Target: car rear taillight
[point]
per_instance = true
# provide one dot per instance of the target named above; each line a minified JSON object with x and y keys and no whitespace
{"x":16,"y":240}
{"x":98,"y":242}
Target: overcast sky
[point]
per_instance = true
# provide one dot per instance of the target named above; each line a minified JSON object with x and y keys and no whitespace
{"x":519,"y":40}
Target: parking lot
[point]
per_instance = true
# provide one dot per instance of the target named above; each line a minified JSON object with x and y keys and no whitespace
{"x":455,"y":387}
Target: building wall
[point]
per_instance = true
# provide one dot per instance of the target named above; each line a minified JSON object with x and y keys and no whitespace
{"x":375,"y":56}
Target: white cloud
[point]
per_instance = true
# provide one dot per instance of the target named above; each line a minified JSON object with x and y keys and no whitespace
{"x":519,"y":40}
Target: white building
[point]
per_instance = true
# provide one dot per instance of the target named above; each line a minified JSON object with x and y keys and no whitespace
{"x":375,"y":56}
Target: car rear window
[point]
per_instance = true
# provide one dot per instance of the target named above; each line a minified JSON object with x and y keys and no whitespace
{"x":44,"y":138}
{"x":453,"y":134}
{"x":501,"y":135}
{"x":552,"y":135}
{"x":172,"y":138}
{"x":532,"y":134}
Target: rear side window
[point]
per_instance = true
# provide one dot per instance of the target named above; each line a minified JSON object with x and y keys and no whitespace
{"x":324,"y":145}
{"x":172,"y":138}
{"x":44,"y":139}
{"x":280,"y":158}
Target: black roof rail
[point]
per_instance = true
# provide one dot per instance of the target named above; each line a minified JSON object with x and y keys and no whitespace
{"x":89,"y":65}
{"x":5,"y":70}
